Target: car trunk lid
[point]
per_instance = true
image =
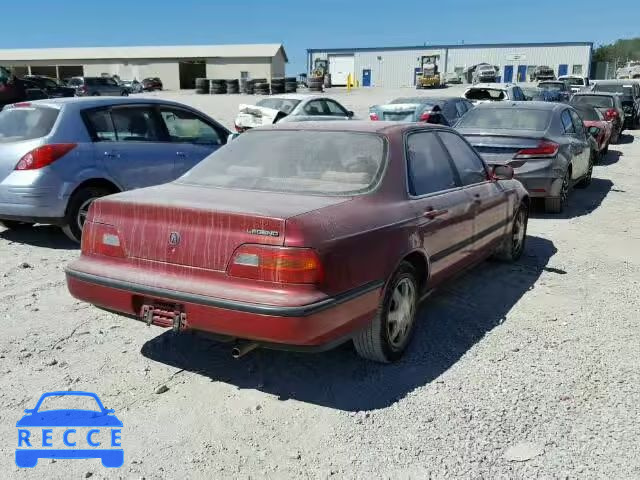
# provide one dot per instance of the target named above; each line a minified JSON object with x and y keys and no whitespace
{"x":198,"y":226}
{"x":399,"y":112}
{"x":252,"y":116}
{"x":499,"y":149}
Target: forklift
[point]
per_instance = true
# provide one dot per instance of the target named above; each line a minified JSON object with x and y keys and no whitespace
{"x":429,"y":76}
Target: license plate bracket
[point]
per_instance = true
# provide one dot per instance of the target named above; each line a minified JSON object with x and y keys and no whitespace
{"x":164,"y":315}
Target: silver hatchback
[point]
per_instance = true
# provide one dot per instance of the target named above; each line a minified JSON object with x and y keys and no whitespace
{"x":58,"y":155}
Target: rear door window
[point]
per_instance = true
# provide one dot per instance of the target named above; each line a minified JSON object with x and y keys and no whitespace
{"x":136,"y":124}
{"x":567,"y":123}
{"x":469,"y":165}
{"x":314,"y":107}
{"x":26,"y":123}
{"x":186,"y":127}
{"x":428,"y":165}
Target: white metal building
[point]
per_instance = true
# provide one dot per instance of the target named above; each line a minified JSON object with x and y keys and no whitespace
{"x":396,"y":66}
{"x":177,"y":67}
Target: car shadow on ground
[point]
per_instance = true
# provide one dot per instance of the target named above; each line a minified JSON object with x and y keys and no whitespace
{"x":451,"y":322}
{"x":625,"y":139}
{"x":581,"y":201}
{"x":46,"y":236}
{"x":612,"y":157}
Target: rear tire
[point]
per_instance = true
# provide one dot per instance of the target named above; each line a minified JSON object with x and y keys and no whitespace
{"x":78,"y":208}
{"x":513,"y":244}
{"x":558,"y":204}
{"x":13,"y":225}
{"x":386,"y":338}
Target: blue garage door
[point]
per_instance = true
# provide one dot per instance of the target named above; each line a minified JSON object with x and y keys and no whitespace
{"x":522,"y":73}
{"x":563,"y":70}
{"x":508,"y":73}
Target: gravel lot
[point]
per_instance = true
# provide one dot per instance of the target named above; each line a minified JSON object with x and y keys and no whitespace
{"x":517,"y":371}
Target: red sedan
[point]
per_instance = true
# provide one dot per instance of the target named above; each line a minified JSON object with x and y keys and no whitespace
{"x":303,"y":236}
{"x":597,"y":126}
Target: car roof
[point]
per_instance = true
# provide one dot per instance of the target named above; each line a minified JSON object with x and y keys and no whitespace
{"x":533,"y":105}
{"x":356,"y":126}
{"x":628,"y":81}
{"x":597,"y":94}
{"x":298,"y":96}
{"x":93,"y":102}
{"x":494,"y":86}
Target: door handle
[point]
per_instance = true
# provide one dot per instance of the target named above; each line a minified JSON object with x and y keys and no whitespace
{"x":112,"y":154}
{"x":476,"y":199}
{"x":181,"y":154}
{"x":431,"y":213}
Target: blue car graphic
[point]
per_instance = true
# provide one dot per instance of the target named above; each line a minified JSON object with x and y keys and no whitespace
{"x":99,"y":420}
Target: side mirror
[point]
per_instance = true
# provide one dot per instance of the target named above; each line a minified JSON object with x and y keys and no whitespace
{"x":350,"y":114}
{"x":502,"y":172}
{"x":594,"y":131}
{"x":109,"y":411}
{"x":233,"y":136}
{"x":30,"y":410}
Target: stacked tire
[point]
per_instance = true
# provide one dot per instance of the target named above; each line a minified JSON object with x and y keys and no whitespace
{"x":277,"y":86}
{"x":261,"y":86}
{"x":290,"y":85}
{"x":249,"y":87}
{"x":316,"y":83}
{"x":202,"y":86}
{"x":233,"y":86}
{"x":218,"y":86}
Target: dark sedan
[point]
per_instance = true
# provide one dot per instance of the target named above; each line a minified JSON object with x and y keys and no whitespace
{"x":545,"y":143}
{"x":51,"y":86}
{"x":303,"y":236}
{"x":442,"y":111}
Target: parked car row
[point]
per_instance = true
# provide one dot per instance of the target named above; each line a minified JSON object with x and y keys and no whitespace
{"x":299,"y":235}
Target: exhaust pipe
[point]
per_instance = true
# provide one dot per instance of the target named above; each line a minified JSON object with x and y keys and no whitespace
{"x":242,"y":349}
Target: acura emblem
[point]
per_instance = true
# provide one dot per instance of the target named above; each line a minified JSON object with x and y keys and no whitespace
{"x":174,"y":238}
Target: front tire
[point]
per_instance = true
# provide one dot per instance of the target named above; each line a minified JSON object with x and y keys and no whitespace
{"x":586,"y":181}
{"x":78,"y":209}
{"x":386,"y":338}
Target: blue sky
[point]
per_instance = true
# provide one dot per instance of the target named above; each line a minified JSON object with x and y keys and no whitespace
{"x":329,"y":23}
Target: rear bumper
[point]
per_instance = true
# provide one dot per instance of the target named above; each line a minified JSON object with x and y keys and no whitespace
{"x":31,"y":203}
{"x":313,"y":325}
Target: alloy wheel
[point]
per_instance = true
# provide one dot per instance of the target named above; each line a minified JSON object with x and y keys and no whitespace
{"x":519,"y":232}
{"x":400,"y":315}
{"x":83,"y":211}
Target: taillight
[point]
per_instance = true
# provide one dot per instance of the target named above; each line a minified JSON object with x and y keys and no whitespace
{"x":83,"y":89}
{"x":101,"y":239}
{"x":374,"y":116}
{"x":425,"y":117}
{"x":43,"y":156}
{"x":611,"y":114}
{"x":543,"y":150}
{"x":276,"y":264}
{"x":239,"y":129}
{"x":21,"y":105}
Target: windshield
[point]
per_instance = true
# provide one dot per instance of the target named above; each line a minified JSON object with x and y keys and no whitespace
{"x":309,"y":162}
{"x":551,"y":86}
{"x":285,"y":105}
{"x":598,"y":101}
{"x":26,"y":123}
{"x":506,"y":119}
{"x":69,"y":402}
{"x":625,"y":90}
{"x":485,"y":94}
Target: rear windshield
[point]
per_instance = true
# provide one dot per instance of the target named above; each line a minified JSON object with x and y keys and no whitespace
{"x":313,"y":162}
{"x":598,"y":101}
{"x":551,"y":86}
{"x":625,"y":90}
{"x":26,"y":123}
{"x":285,"y":105}
{"x":414,"y":100}
{"x":588,"y":113}
{"x":574,"y":81}
{"x":485,"y":94}
{"x":506,"y":119}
